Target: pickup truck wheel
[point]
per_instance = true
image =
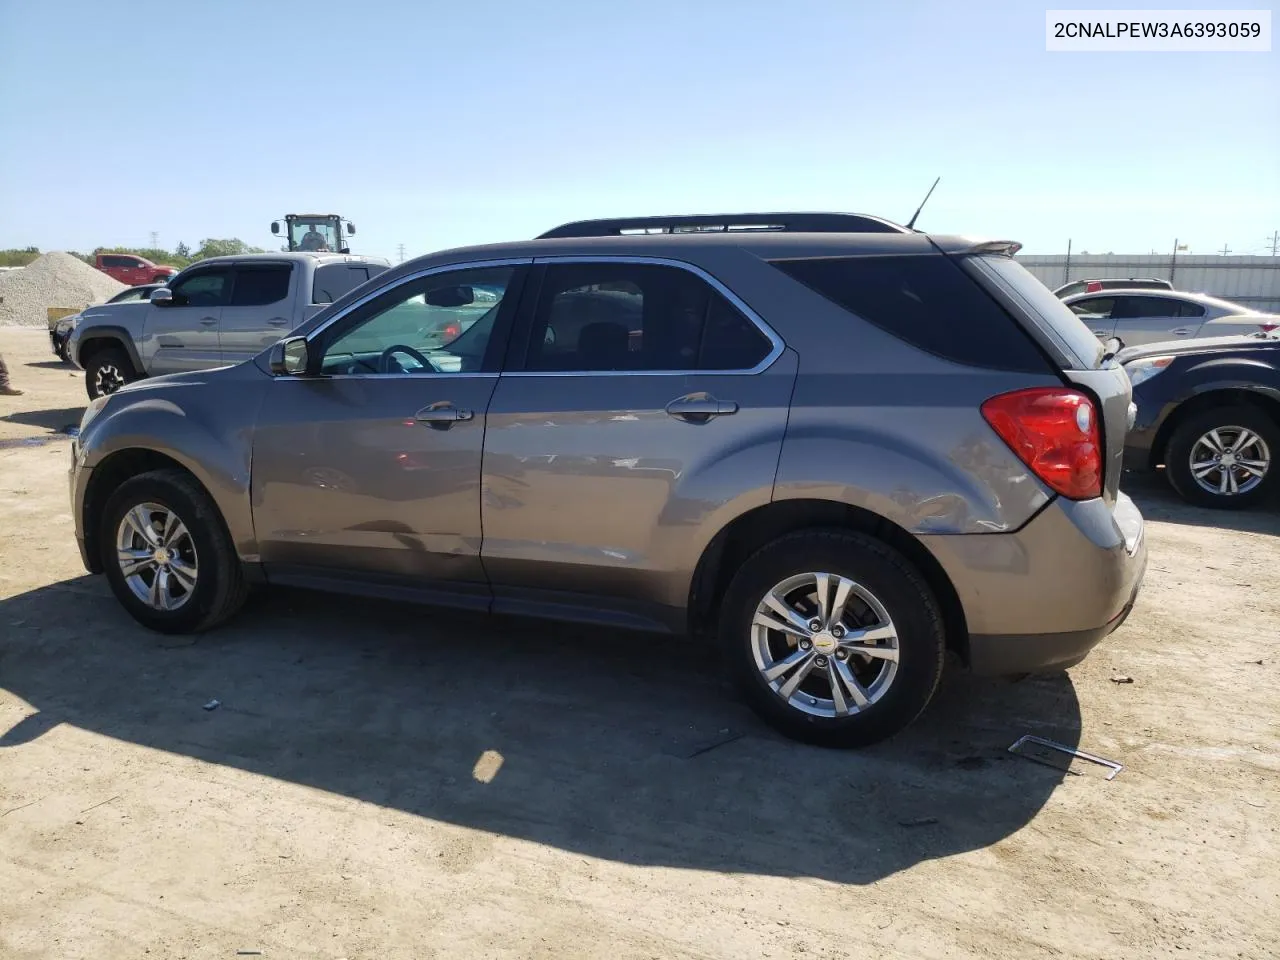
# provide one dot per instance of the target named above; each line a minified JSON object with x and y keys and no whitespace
{"x":167,"y":554}
{"x":1225,"y":457}
{"x":833,"y":637}
{"x":107,"y":371}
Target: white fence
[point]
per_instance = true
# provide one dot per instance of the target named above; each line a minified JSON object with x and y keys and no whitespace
{"x":1251,"y":281}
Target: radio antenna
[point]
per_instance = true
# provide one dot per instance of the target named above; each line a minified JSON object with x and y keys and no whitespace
{"x":911,"y":224}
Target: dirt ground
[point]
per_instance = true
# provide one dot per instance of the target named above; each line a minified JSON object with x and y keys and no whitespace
{"x":394,"y":782}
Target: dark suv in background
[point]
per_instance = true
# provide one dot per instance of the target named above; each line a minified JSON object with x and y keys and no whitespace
{"x":840,"y":446}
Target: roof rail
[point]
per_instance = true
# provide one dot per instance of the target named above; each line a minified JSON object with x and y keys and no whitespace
{"x":728,"y":223}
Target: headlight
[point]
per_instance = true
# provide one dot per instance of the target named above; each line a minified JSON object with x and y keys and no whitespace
{"x":1140,"y":371}
{"x":92,"y":410}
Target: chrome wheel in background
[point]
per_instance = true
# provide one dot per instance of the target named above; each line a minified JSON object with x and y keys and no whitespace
{"x":1229,"y":460}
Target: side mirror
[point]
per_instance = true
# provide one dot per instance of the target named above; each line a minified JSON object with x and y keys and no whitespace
{"x":275,"y":226}
{"x":288,"y":357}
{"x":162,"y":297}
{"x":351,"y":228}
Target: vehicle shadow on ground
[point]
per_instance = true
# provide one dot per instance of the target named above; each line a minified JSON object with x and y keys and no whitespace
{"x":59,"y":420}
{"x":1158,"y":501}
{"x":52,"y":365}
{"x":614,"y":745}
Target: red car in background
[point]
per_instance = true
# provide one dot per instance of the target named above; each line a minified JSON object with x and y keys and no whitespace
{"x":132,"y":270}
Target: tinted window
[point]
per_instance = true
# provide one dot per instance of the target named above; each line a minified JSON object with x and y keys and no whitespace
{"x":1093,"y":308}
{"x":927,"y":301}
{"x":335,"y":280}
{"x":595,"y":317}
{"x":208,"y":288}
{"x":1137,"y":308}
{"x":437,"y":324}
{"x":1054,"y":321}
{"x":1188,"y":309}
{"x":258,"y":286}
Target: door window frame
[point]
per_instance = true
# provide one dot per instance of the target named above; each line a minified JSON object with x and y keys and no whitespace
{"x":342,"y":322}
{"x":517,"y":354}
{"x":194,"y":272}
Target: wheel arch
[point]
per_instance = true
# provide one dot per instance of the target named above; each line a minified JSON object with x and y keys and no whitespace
{"x":95,"y":339}
{"x":1265,"y":399}
{"x":750,"y":531}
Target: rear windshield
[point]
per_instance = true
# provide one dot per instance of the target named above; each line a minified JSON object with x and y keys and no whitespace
{"x":335,"y":280}
{"x":1051,"y":315}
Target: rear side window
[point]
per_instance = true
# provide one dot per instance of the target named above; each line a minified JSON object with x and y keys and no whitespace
{"x":336,"y":280}
{"x":927,"y":301}
{"x":1188,"y":309}
{"x":258,"y":286}
{"x":1094,"y":308}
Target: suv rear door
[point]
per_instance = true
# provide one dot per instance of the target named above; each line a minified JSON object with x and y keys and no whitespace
{"x":639,"y":399}
{"x":1150,"y":318}
{"x":260,"y":311}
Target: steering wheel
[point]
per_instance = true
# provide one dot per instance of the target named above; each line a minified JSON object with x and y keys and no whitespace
{"x":384,"y":361}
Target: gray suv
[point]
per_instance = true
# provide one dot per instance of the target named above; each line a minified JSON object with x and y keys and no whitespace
{"x":841,"y":447}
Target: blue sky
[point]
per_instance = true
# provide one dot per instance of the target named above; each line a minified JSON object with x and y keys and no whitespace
{"x":436,"y":124}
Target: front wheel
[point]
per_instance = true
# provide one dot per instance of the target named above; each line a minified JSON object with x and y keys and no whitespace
{"x":1225,"y":458}
{"x":167,"y":554}
{"x":107,"y":371}
{"x":833,"y":638}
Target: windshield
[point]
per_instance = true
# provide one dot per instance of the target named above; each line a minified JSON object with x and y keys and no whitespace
{"x":317,"y":234}
{"x":1051,"y":315}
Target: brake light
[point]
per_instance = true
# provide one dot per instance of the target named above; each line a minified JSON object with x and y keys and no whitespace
{"x":452,"y":330}
{"x":1267,"y":327}
{"x":1093,"y":286}
{"x":1054,"y":431}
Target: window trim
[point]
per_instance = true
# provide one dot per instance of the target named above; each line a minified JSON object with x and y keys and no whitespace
{"x":312,"y":336}
{"x":776,"y":343}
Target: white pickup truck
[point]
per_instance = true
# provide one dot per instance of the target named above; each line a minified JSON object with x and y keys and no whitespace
{"x":219,"y":311}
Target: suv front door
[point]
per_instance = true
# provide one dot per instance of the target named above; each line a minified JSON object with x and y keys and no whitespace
{"x":638,"y":401}
{"x":369,"y":465}
{"x":184,"y":335}
{"x":260,"y":311}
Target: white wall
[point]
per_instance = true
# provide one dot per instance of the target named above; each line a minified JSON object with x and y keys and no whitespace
{"x":1251,"y":281}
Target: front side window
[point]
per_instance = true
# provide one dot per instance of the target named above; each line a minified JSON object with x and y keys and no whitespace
{"x":259,"y":286}
{"x":208,"y":288}
{"x":1093,"y":308}
{"x":442,"y":323}
{"x":627,"y":317}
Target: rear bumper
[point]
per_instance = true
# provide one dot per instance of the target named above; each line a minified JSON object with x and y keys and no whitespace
{"x":1042,"y":598}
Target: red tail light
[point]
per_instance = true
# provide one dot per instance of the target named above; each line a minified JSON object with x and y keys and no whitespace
{"x":1268,"y":327}
{"x":1054,"y":431}
{"x":1092,"y":287}
{"x":452,"y":330}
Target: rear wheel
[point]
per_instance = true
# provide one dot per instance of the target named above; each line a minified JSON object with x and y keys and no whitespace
{"x":1225,"y":458}
{"x":106,"y":371}
{"x":833,"y":638}
{"x":168,"y":555}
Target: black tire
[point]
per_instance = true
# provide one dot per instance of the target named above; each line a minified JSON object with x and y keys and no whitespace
{"x":1182,"y":444}
{"x":64,"y":352}
{"x":107,"y":370}
{"x":220,"y":587}
{"x":892,"y":580}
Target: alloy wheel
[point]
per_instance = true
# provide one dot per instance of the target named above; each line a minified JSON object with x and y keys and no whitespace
{"x":1228,"y":461}
{"x":157,"y":557}
{"x":824,"y":644}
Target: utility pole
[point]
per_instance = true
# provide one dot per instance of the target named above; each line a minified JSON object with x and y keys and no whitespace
{"x":155,"y":240}
{"x":400,"y":249}
{"x":1274,"y":240}
{"x":1066,"y":269}
{"x":1173,"y":261}
{"x":1225,"y":250}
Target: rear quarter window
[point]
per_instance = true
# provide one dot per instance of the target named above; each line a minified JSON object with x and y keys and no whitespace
{"x":927,"y":301}
{"x":335,"y":280}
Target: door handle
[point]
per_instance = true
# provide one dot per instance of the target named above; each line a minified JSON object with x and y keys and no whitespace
{"x":277,"y":321}
{"x":700,"y":407}
{"x":442,"y":414}
{"x":1182,"y":331}
{"x":208,"y":321}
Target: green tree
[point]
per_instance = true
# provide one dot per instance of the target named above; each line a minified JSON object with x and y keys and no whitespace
{"x":224,"y":248}
{"x":182,"y":251}
{"x":18,"y":258}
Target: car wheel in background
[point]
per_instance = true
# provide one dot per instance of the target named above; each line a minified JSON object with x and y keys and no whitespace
{"x":64,"y":353}
{"x":107,"y":371}
{"x":168,"y":555}
{"x":833,"y":637}
{"x":1225,"y":457}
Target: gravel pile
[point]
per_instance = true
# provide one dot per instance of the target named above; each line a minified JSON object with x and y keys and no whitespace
{"x":54,"y":280}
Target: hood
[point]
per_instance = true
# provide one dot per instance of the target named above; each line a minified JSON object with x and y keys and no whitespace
{"x":1179,"y":348}
{"x":171,"y":380}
